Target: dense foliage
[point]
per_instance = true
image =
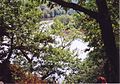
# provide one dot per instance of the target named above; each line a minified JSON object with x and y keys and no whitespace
{"x":23,"y":42}
{"x":27,"y":45}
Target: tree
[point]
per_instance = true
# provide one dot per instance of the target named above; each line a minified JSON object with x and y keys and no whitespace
{"x":103,"y":18}
{"x":23,"y":42}
{"x":53,"y":57}
{"x":16,"y":21}
{"x":92,"y":34}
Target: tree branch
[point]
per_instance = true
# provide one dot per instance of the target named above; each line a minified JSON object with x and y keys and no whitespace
{"x":11,"y":49}
{"x":52,"y":72}
{"x":29,"y":60}
{"x":76,"y":7}
{"x":5,"y":44}
{"x":48,"y":74}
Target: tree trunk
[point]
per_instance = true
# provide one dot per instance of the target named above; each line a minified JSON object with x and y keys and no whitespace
{"x":5,"y":72}
{"x":108,"y":39}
